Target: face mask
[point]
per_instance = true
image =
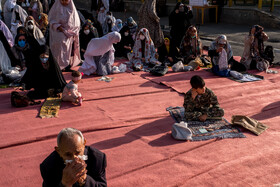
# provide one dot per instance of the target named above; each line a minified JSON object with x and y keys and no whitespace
{"x":86,"y":32}
{"x":39,"y":17}
{"x":21,"y":43}
{"x":109,"y":22}
{"x":30,"y":27}
{"x":142,"y":37}
{"x":181,"y":9}
{"x":193,"y":36}
{"x":119,"y":25}
{"x":44,"y":60}
{"x":126,"y":33}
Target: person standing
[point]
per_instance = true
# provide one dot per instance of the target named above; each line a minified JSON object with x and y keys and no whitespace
{"x":64,"y":34}
{"x":148,"y":19}
{"x":179,"y":20}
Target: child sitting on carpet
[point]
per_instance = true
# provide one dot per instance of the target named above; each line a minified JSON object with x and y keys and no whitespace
{"x":70,"y":92}
{"x":200,"y":102}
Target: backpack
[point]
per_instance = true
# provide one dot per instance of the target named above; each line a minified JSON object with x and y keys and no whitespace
{"x":20,"y":100}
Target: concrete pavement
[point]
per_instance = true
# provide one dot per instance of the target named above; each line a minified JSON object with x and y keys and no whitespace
{"x":209,"y":31}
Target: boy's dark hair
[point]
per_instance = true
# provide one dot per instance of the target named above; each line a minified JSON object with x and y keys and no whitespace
{"x":109,"y":13}
{"x":197,"y":82}
{"x":76,"y":74}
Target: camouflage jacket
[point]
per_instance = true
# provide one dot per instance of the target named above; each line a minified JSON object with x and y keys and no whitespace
{"x":200,"y":105}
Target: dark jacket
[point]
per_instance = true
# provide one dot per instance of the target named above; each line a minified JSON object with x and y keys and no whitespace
{"x":52,"y":168}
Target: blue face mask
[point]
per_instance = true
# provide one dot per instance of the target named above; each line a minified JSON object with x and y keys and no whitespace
{"x":21,"y":43}
{"x":44,"y":60}
{"x":193,"y":36}
{"x":119,"y":25}
{"x":39,"y":17}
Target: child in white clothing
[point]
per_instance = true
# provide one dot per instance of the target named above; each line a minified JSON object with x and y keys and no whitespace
{"x":70,"y":92}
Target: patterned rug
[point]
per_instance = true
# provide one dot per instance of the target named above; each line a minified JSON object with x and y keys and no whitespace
{"x":247,"y":77}
{"x":210,"y":129}
{"x":50,"y":107}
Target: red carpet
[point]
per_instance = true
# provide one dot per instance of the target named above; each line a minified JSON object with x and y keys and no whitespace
{"x":126,"y":119}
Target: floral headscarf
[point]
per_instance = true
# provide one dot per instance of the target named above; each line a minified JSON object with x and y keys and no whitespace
{"x":137,"y":50}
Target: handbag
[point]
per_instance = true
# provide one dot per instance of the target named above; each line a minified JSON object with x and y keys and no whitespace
{"x":159,"y":70}
{"x":180,"y":131}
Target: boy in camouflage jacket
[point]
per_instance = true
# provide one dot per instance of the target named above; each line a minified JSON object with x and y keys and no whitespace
{"x":200,"y":102}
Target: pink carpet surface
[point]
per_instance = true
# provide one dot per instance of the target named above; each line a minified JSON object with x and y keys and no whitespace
{"x":127,"y":120}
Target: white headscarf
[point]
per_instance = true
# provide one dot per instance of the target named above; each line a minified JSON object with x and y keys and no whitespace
{"x":98,"y":47}
{"x":37,"y":33}
{"x":22,"y":14}
{"x":149,"y":45}
{"x":101,"y":16}
{"x":116,"y":27}
{"x":105,"y":24}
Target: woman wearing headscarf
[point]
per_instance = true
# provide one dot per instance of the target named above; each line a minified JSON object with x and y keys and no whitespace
{"x":166,"y":55}
{"x":64,"y":34}
{"x":43,"y":23}
{"x":190,"y":51}
{"x":35,"y":9}
{"x":126,"y":44}
{"x":43,"y":73}
{"x":101,"y":16}
{"x":18,"y":18}
{"x":8,"y":11}
{"x":7,"y":33}
{"x":132,"y":25}
{"x":191,"y":46}
{"x":148,"y":19}
{"x":87,"y":33}
{"x":10,"y":73}
{"x":222,"y":57}
{"x":254,"y":56}
{"x":108,"y":25}
{"x":118,"y":26}
{"x":35,"y":32}
{"x":99,"y":56}
{"x":143,"y":51}
{"x":179,"y":20}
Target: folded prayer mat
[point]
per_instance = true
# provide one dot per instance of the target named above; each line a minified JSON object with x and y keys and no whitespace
{"x":249,"y":123}
{"x":50,"y":107}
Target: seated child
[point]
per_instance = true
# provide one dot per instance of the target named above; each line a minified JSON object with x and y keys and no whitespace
{"x":70,"y":92}
{"x":200,"y":102}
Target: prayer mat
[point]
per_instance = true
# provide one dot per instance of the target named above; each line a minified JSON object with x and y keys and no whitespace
{"x":4,"y":86}
{"x":247,"y":77}
{"x":50,"y":107}
{"x":210,"y":129}
{"x":105,"y":79}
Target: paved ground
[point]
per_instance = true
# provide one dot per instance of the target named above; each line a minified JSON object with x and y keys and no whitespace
{"x":235,"y":33}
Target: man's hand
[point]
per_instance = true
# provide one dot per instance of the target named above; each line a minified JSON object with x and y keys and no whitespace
{"x":73,"y":172}
{"x":203,"y":117}
{"x":194,"y":94}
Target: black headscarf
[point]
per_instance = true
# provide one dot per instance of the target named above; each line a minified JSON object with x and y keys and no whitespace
{"x":43,"y":77}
